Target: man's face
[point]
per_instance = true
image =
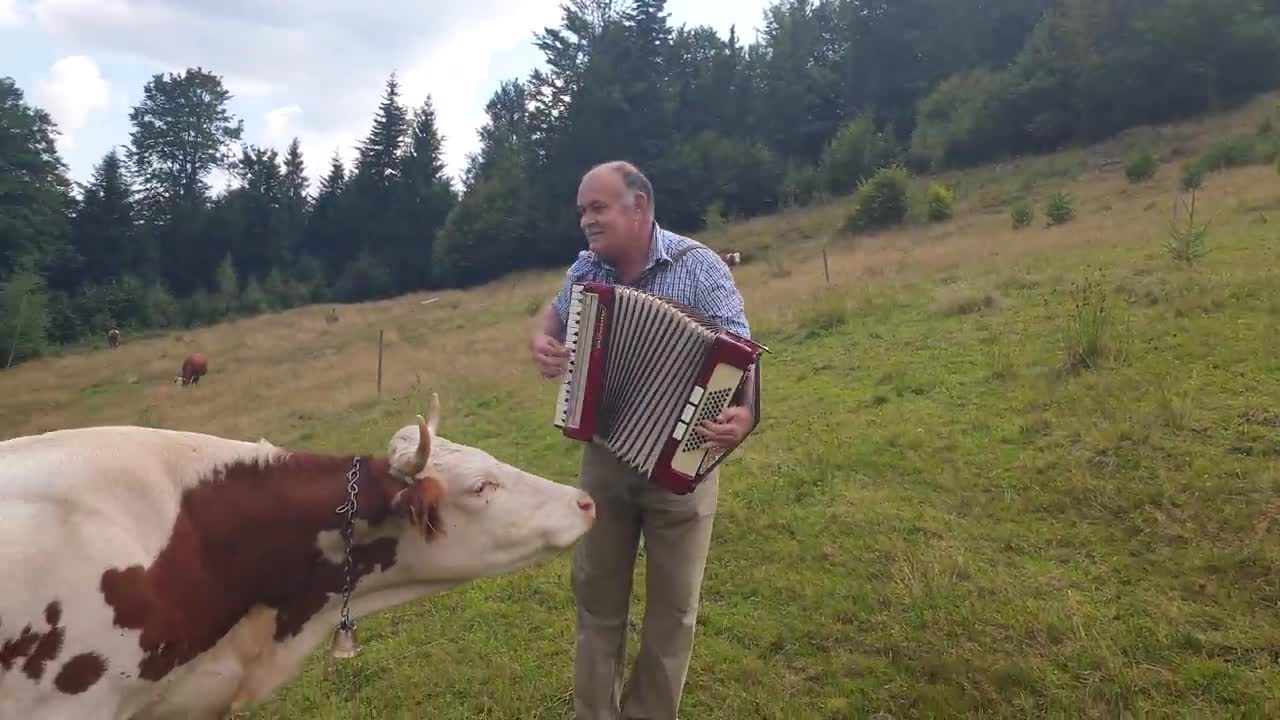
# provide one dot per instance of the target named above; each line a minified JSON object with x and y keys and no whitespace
{"x":605,"y":218}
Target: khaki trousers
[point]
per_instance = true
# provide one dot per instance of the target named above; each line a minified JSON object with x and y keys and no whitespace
{"x":677,"y":535}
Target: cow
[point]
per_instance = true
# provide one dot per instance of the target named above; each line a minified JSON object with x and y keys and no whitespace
{"x":195,"y":365}
{"x":731,"y":258}
{"x":156,"y":573}
{"x":113,"y":338}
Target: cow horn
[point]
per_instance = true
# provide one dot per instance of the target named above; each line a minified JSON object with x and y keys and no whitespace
{"x":434,"y":422}
{"x":424,"y":448}
{"x":410,"y":468}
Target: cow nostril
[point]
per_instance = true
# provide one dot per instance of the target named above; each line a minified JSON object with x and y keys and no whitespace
{"x":587,"y":505}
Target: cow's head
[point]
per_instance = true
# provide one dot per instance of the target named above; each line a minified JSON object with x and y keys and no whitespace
{"x":469,"y":514}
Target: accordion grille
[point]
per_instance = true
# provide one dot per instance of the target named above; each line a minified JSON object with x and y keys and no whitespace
{"x":656,"y":348}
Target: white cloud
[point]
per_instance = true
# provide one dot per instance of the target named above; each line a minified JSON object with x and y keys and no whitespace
{"x":10,"y":14}
{"x":276,"y":126}
{"x":75,"y":88}
{"x":322,"y":64}
{"x":459,"y":90}
{"x":326,"y":60}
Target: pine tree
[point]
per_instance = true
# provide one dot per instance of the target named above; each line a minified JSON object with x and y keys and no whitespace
{"x":378,"y":156}
{"x":325,"y":238}
{"x":426,"y":197}
{"x":34,"y":190}
{"x":295,"y":198}
{"x":295,"y":181}
{"x":104,"y":232}
{"x":505,"y":139}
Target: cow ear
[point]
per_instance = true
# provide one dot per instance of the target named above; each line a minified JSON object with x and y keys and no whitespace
{"x":419,"y":503}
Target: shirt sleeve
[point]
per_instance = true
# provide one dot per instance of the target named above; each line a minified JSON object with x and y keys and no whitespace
{"x":576,"y":271}
{"x":720,"y":299}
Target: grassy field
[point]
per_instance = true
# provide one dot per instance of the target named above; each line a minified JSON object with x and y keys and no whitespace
{"x":1000,"y":473}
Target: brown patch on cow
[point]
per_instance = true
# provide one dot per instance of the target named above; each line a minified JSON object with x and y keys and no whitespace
{"x":244,"y":538}
{"x":19,"y":647}
{"x":39,"y":648}
{"x":80,"y":673}
{"x":50,"y":643}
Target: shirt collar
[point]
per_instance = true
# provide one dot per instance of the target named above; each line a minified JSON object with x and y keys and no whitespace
{"x":658,"y":251}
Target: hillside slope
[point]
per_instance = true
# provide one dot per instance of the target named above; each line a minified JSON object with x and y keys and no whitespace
{"x":944,"y":512}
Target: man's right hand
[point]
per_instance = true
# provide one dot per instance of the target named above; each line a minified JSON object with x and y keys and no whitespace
{"x":549,"y":355}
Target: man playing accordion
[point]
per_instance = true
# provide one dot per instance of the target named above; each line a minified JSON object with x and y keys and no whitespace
{"x":627,"y":247}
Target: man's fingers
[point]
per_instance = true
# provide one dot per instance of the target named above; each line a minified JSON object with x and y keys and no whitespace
{"x":716,"y":432}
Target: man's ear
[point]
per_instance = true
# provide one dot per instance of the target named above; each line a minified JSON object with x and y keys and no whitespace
{"x":419,"y":503}
{"x":642,"y":207}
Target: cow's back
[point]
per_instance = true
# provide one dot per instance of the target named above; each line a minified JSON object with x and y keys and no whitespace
{"x":73,"y":504}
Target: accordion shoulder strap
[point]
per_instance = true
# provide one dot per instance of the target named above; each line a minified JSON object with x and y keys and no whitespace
{"x":755,"y":368}
{"x":686,"y":250}
{"x":674,"y":257}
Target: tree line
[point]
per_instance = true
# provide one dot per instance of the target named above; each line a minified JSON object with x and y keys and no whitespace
{"x":828,"y":92}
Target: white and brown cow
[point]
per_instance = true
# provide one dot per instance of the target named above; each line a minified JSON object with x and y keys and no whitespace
{"x":152,"y":573}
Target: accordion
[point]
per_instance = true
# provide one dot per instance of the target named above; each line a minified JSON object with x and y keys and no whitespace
{"x":643,"y":371}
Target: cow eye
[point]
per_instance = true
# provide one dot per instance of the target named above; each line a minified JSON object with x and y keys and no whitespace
{"x":481,"y":486}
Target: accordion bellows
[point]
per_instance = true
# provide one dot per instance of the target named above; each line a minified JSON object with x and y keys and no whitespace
{"x":643,"y":370}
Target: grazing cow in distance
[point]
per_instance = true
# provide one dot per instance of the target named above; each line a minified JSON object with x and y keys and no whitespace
{"x":153,"y":573}
{"x":195,"y":365}
{"x":113,"y":338}
{"x":731,"y":258}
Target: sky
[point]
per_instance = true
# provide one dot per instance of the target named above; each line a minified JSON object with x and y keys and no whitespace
{"x":311,"y":69}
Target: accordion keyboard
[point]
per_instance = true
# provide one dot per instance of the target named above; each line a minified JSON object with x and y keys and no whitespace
{"x":577,"y":340}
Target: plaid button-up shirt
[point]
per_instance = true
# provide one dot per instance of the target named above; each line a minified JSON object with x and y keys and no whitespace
{"x":699,"y":279}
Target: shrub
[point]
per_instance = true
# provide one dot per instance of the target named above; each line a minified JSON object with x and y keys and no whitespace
{"x":1229,"y":153}
{"x":201,"y":309}
{"x":1192,"y":177}
{"x":801,"y":185}
{"x":162,"y":310}
{"x":1186,"y":244}
{"x":882,"y":200}
{"x":24,"y":316}
{"x":853,"y":154}
{"x":254,"y":299}
{"x":1060,"y":208}
{"x":713,"y":217}
{"x":940,"y":199}
{"x":1142,"y":166}
{"x":1021,"y":214}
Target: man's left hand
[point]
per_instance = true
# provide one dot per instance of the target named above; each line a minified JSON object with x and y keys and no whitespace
{"x":727,"y":430}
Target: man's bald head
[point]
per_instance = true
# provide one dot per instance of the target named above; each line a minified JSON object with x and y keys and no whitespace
{"x":615,"y":201}
{"x":634,"y":181}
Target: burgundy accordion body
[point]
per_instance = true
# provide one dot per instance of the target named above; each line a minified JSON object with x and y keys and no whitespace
{"x":643,"y":370}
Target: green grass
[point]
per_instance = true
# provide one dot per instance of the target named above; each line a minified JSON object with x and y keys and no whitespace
{"x":944,"y":511}
{"x":906,"y":534}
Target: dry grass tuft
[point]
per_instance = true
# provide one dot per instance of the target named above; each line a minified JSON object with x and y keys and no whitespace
{"x":963,"y":300}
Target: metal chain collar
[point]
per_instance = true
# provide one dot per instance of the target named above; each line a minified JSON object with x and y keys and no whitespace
{"x":349,"y":507}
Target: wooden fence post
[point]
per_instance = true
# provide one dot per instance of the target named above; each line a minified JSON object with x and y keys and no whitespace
{"x":17,"y":333}
{"x":826,"y":270}
{"x":379,"y":363}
